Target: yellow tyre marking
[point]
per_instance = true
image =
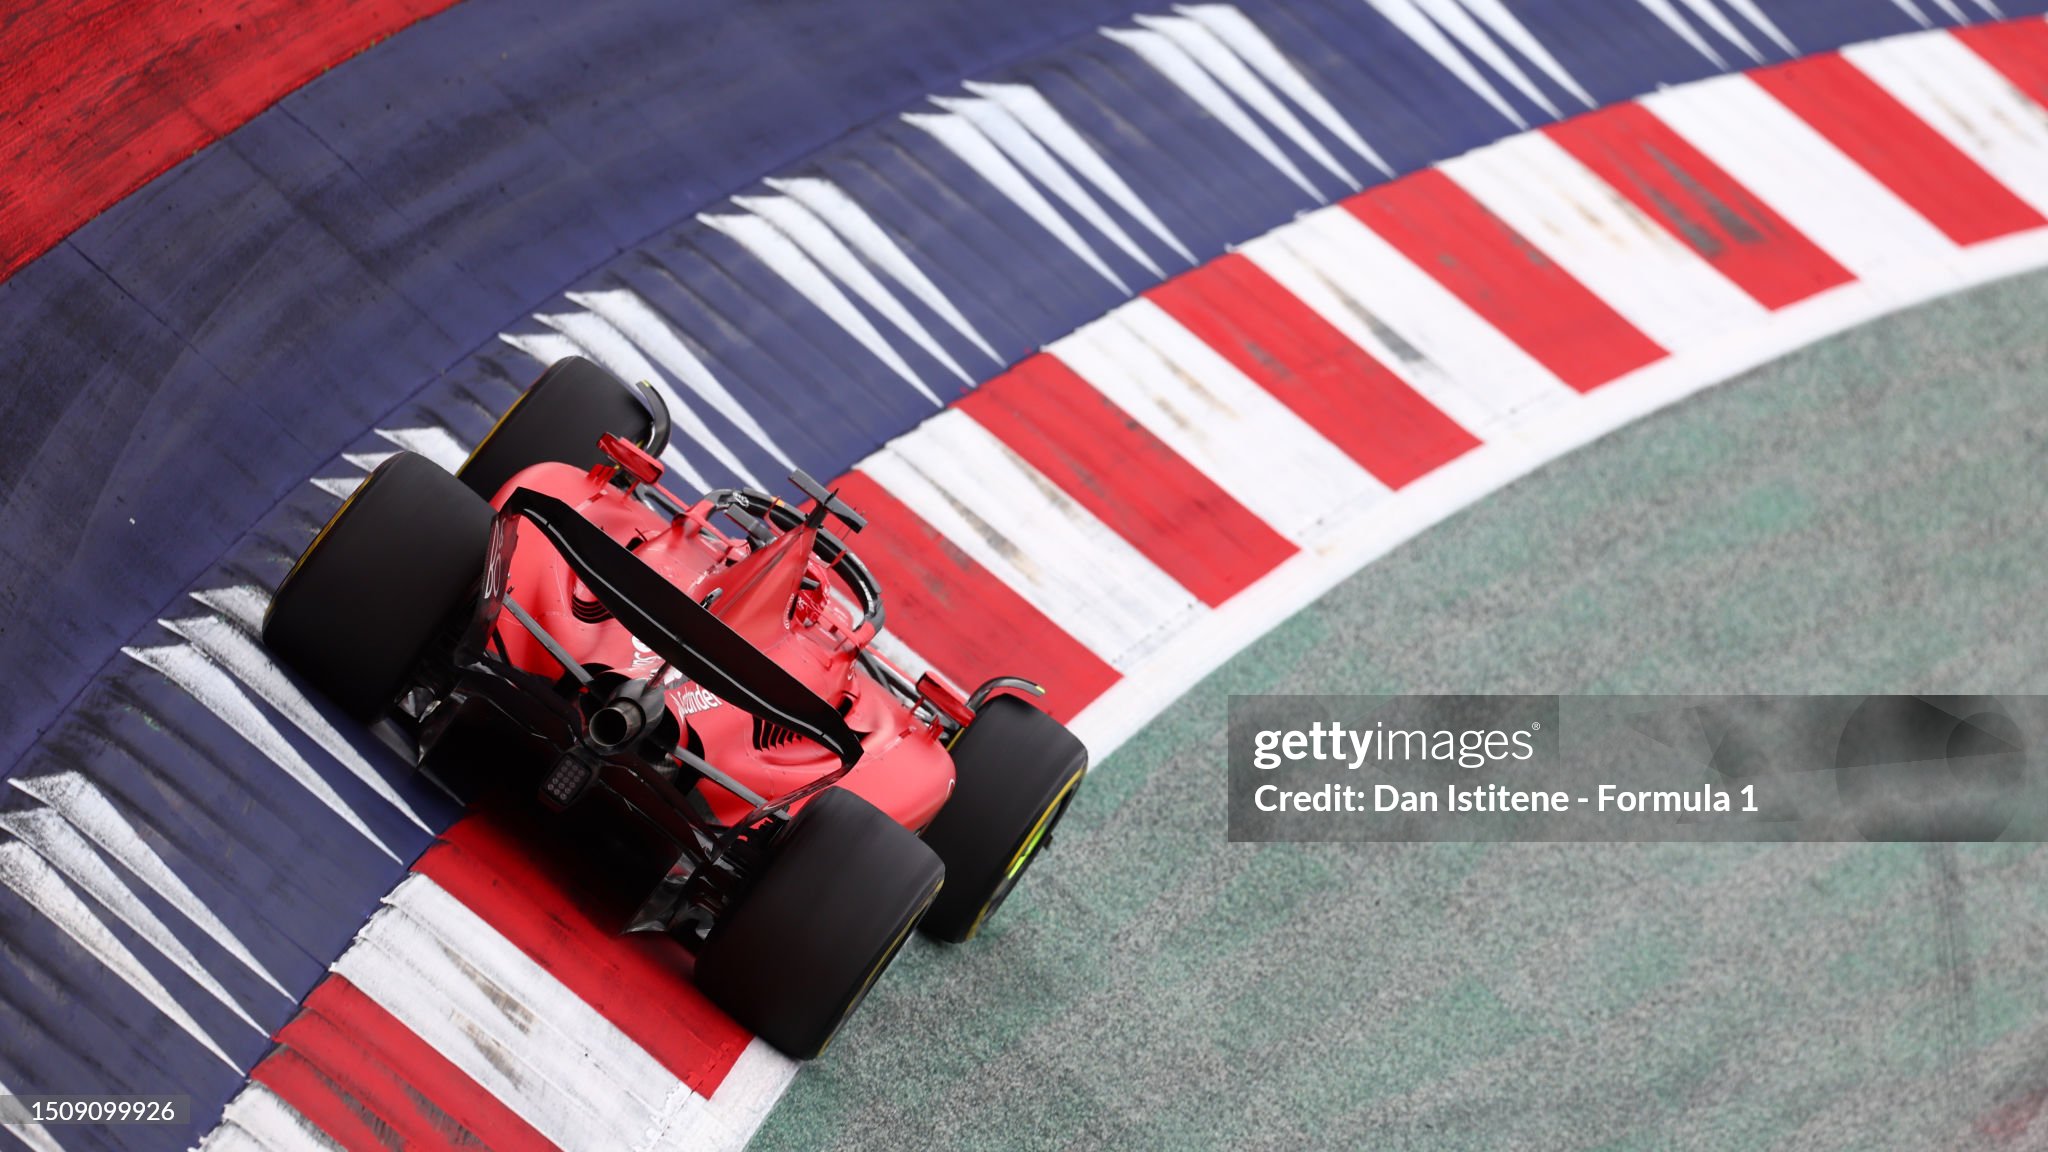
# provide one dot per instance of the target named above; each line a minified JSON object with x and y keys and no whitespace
{"x":1024,"y":852}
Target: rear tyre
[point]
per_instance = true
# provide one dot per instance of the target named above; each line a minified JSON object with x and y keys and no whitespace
{"x":379,"y":583}
{"x":839,"y":897}
{"x":1017,"y":770}
{"x":557,"y":419}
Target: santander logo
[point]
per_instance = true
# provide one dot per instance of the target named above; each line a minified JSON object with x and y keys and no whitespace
{"x":689,"y":699}
{"x":686,"y":698}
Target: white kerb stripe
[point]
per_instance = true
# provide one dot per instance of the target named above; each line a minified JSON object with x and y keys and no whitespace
{"x":259,"y":1119}
{"x":1969,"y":102}
{"x":1664,"y":12}
{"x":1358,"y":282}
{"x":601,"y":340}
{"x":493,"y":1012}
{"x":787,"y":259}
{"x":546,"y":347}
{"x":1504,"y":25}
{"x":55,"y":840}
{"x":960,"y":137}
{"x":1250,"y":44}
{"x":433,"y":443}
{"x":35,"y":881}
{"x":970,"y":487}
{"x":743,"y":1099}
{"x":1233,"y":431}
{"x":368,"y":461}
{"x":207,"y":683}
{"x":1174,"y":63}
{"x":1809,"y":182}
{"x":339,"y":487}
{"x":35,"y":1136}
{"x":89,"y":810}
{"x":1452,"y":15}
{"x":810,"y":233}
{"x":1210,"y":50}
{"x":1403,"y":14}
{"x":1634,"y":264}
{"x":1035,"y":112}
{"x":230,"y":647}
{"x":624,"y":310}
{"x":852,"y":221}
{"x":1011,"y":135}
{"x":245,"y":604}
{"x":1711,"y":16}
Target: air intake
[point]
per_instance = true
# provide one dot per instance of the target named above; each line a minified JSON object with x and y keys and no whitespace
{"x":771,"y":735}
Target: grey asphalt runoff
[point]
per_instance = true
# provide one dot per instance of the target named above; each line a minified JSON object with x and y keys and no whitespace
{"x":1870,"y":514}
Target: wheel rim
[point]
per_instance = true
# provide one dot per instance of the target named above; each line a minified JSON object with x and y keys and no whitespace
{"x":1026,"y":852}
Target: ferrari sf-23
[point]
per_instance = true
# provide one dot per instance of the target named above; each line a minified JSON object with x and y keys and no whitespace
{"x":692,"y":686}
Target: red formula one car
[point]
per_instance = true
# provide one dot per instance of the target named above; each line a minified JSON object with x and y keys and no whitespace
{"x":689,"y":687}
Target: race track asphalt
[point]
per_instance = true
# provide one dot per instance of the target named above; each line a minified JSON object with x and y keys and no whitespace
{"x":1868,"y":515}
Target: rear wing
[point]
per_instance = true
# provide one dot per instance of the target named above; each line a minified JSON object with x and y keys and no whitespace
{"x":672,"y":625}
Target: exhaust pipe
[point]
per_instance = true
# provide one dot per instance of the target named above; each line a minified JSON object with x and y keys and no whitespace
{"x":616,"y":724}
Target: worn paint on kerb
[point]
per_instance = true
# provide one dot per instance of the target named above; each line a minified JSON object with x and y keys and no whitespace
{"x":1806,"y":179}
{"x":1910,"y":156}
{"x":1973,"y":106}
{"x":997,"y":508}
{"x":1334,"y":385}
{"x":1127,"y":477}
{"x":1507,"y":278}
{"x":486,"y":1006}
{"x":1202,"y":407}
{"x":634,"y":980}
{"x":1369,"y":291}
{"x":1655,"y":282}
{"x":256,"y":1120}
{"x":366,"y":1079}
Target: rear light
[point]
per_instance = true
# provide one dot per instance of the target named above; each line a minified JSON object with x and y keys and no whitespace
{"x":565,"y":782}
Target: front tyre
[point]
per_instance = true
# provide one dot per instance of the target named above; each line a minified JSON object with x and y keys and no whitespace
{"x":840,"y":895}
{"x":558,"y":419}
{"x":379,"y":583}
{"x":1016,"y":771}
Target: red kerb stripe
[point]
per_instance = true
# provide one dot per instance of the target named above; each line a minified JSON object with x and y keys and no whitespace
{"x":1305,"y":362}
{"x":1130,"y":479}
{"x":1901,"y":150}
{"x":101,"y":96}
{"x":637,"y":982}
{"x":1506,"y":279}
{"x":365,"y":1079}
{"x":2017,"y":48}
{"x":959,"y":615}
{"x":1662,"y":174}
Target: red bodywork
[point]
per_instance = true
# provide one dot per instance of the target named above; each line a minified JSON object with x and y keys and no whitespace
{"x":777,"y":597}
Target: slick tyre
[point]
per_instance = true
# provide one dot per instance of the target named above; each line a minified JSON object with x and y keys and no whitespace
{"x":1017,"y":770}
{"x":839,"y":897}
{"x":379,"y":583}
{"x":557,"y":419}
